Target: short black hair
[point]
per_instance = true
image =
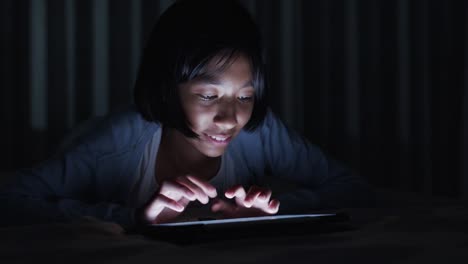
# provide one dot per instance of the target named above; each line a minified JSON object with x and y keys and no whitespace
{"x":186,"y":37}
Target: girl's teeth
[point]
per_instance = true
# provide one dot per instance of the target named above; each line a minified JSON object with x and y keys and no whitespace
{"x":218,"y":139}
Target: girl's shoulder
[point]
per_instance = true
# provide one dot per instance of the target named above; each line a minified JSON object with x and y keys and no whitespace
{"x":270,"y":123}
{"x":114,"y":132}
{"x":248,"y":141}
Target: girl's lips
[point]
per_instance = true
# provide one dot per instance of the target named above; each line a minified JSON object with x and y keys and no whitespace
{"x":219,"y":139}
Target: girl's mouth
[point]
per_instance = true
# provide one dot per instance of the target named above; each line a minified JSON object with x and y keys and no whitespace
{"x":219,"y":139}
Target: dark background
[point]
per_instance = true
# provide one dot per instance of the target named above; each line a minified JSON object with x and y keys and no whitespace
{"x":378,"y":85}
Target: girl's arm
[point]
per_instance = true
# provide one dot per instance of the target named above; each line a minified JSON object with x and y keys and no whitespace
{"x":67,"y":187}
{"x":306,"y":178}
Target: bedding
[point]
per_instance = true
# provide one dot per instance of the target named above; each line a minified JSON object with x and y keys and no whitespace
{"x":406,"y":228}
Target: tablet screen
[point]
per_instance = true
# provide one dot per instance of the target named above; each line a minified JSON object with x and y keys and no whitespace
{"x":246,"y":219}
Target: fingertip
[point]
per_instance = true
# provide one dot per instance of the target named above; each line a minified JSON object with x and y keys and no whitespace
{"x":274,"y":206}
{"x":216,"y":207}
{"x":204,"y":200}
{"x":240,"y":192}
{"x":275,"y":209}
{"x":229,"y":195}
{"x":169,"y":203}
{"x":178,"y":207}
{"x":248,"y":204}
{"x":235,"y":191}
{"x":213,"y":193}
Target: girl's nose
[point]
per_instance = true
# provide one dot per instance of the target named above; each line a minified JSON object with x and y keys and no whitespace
{"x":226,"y":117}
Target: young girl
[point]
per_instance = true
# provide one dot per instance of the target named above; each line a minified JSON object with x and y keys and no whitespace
{"x":200,"y":139}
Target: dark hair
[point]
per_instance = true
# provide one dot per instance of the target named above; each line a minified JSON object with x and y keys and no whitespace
{"x":186,"y":37}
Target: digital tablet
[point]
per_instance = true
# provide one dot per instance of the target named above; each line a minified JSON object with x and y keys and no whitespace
{"x":249,"y":220}
{"x":207,"y":230}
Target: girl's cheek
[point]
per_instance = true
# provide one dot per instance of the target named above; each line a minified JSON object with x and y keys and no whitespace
{"x":200,"y":116}
{"x":245,"y":112}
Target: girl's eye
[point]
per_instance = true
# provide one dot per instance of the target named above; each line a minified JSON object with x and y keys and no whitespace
{"x":245,"y":98}
{"x":207,"y":97}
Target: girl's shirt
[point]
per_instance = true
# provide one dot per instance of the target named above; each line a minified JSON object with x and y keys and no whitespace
{"x":109,"y":171}
{"x":146,"y":185}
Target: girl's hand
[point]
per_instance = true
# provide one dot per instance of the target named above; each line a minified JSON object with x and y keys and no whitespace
{"x":254,"y":203}
{"x":173,"y":197}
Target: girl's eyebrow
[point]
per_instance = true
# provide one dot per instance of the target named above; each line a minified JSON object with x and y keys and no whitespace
{"x":208,"y":79}
{"x":248,"y":84}
{"x":214,"y":80}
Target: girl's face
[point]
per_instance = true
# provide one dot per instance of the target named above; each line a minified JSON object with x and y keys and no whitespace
{"x":219,"y":106}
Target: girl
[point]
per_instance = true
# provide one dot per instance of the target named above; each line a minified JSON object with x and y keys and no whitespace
{"x":199,"y":137}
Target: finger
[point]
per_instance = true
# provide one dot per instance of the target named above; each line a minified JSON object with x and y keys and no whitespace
{"x":199,"y":192}
{"x":265,"y":195}
{"x":160,"y":203}
{"x":235,"y":191}
{"x":222,"y":206}
{"x":257,"y":196}
{"x":169,"y":203}
{"x":273,"y":207}
{"x":252,"y":195}
{"x":209,"y":189}
{"x":175,"y":190}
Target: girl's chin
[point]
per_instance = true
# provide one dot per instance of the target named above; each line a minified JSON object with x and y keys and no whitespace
{"x":209,"y":147}
{"x":213,"y":153}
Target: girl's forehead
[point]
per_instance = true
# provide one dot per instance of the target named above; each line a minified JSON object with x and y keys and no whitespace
{"x":236,"y":74}
{"x":225,"y":59}
{"x":218,"y":66}
{"x":220,"y":63}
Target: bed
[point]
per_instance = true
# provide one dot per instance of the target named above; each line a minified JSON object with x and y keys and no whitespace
{"x":406,"y":228}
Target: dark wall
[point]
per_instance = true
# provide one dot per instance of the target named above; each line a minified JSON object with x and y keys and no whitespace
{"x":379,"y":85}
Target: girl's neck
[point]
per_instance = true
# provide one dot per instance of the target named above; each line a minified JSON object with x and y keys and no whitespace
{"x":178,"y":157}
